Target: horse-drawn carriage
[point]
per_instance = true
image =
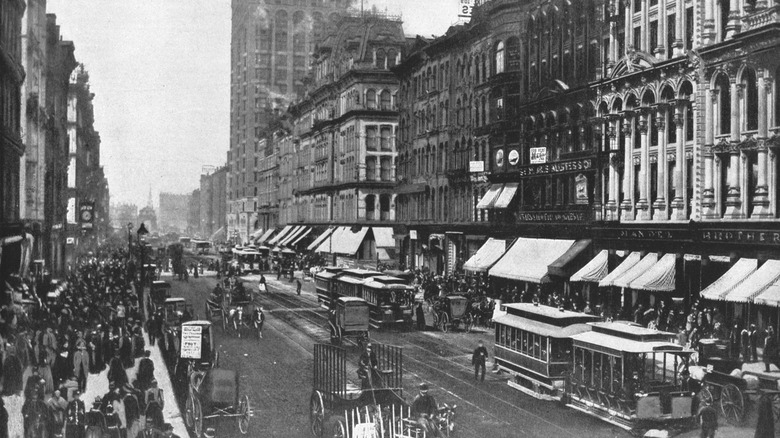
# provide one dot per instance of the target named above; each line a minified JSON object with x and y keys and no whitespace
{"x":447,"y":312}
{"x":728,"y":386}
{"x":214,"y":393}
{"x":349,"y":318}
{"x":159,"y":291}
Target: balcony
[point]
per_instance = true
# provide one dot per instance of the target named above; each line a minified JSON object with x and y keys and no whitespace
{"x":760,"y":19}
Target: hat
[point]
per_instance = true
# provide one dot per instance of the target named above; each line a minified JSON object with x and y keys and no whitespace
{"x":423,"y":387}
{"x":76,"y":393}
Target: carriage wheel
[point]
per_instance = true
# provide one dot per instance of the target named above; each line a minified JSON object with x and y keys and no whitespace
{"x":243,"y":411}
{"x":189,"y":411}
{"x":444,"y":323}
{"x":705,"y":397}
{"x":732,"y":404}
{"x":336,"y":428}
{"x":316,"y":414}
{"x":197,"y":417}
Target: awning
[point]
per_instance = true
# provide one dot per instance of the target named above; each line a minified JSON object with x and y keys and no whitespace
{"x":298,"y":239}
{"x":383,"y":237}
{"x":506,"y":195}
{"x":660,"y":277}
{"x":256,"y":234}
{"x":770,"y":296}
{"x":291,"y":235}
{"x":627,"y":264}
{"x":487,"y":256}
{"x":541,"y":328}
{"x":559,"y":266}
{"x":219,"y":236}
{"x":489,"y":199}
{"x":348,"y":241}
{"x":755,"y":283}
{"x":527,"y":259}
{"x":595,"y":270}
{"x":739,"y":272}
{"x":638,"y":269}
{"x":265,"y":236}
{"x":325,"y":234}
{"x":327,"y":244}
{"x":281,"y":234}
{"x":385,"y":254}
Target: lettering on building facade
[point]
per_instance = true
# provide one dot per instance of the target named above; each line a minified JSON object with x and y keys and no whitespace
{"x":760,"y":237}
{"x":559,"y":167}
{"x":563,"y":216}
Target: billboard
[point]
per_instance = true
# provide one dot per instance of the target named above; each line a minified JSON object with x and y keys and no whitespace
{"x":465,"y":8}
{"x":87,"y":214}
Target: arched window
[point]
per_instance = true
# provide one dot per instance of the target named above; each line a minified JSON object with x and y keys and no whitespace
{"x":750,"y":109}
{"x":500,"y":61}
{"x":385,"y":102}
{"x":371,"y":98}
{"x":723,"y":91}
{"x":392,"y":55}
{"x":280,"y":28}
{"x":370,"y":207}
{"x":380,"y":58}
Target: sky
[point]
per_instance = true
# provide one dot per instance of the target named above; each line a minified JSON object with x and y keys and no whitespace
{"x":160,"y":73}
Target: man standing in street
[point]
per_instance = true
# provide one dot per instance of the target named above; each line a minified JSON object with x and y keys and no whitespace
{"x":708,"y":418}
{"x":420,"y":314}
{"x":478,"y":359}
{"x":754,"y":342}
{"x":298,"y":286}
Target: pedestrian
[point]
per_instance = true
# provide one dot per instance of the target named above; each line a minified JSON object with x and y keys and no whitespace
{"x":75,"y":417}
{"x":734,"y":342}
{"x":754,"y":342}
{"x":298,"y":286}
{"x":168,"y":431}
{"x":765,"y":426}
{"x":420,"y":315}
{"x":745,"y":344}
{"x":708,"y":419}
{"x":770,"y":348}
{"x":478,"y":359}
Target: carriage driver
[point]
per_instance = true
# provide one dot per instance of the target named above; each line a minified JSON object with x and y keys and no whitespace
{"x":425,"y":409}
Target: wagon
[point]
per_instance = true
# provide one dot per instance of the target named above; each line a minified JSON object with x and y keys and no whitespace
{"x":349,"y":318}
{"x":336,"y":404}
{"x":214,"y":394}
{"x":447,"y":312}
{"x":158,"y":293}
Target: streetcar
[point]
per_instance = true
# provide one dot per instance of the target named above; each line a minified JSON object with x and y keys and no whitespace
{"x":389,"y":301}
{"x":533,"y":344}
{"x":349,"y":283}
{"x":629,"y":376}
{"x":323,"y":281}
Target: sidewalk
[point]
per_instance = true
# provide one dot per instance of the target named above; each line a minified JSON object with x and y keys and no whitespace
{"x":97,"y":386}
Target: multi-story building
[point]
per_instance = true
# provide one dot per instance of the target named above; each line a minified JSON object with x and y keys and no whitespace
{"x":268,"y":183}
{"x":341,"y":159}
{"x":88,"y":199}
{"x":174,"y":213}
{"x":60,"y":62}
{"x":12,"y":234}
{"x":445,"y":137}
{"x":123,"y":214}
{"x":193,"y":227}
{"x":270,"y":47}
{"x":213,"y":196}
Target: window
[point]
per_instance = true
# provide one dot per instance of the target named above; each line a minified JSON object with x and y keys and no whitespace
{"x":500,"y":62}
{"x":724,"y":104}
{"x":371,"y":137}
{"x":371,"y":98}
{"x":750,"y":112}
{"x":385,"y":100}
{"x":688,"y":29}
{"x":386,"y":138}
{"x":670,"y":35}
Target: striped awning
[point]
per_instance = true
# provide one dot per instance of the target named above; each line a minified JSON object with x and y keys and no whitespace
{"x":260,"y":240}
{"x":627,"y":264}
{"x":281,"y":234}
{"x":383,"y":237}
{"x":734,"y":276}
{"x":486,"y":256}
{"x":507,"y":194}
{"x":755,"y":283}
{"x":638,"y":269}
{"x":528,"y":259}
{"x":316,"y":243}
{"x":490,"y":197}
{"x":595,"y":270}
{"x":300,"y":237}
{"x":770,"y":296}
{"x":291,"y":235}
{"x":660,"y":277}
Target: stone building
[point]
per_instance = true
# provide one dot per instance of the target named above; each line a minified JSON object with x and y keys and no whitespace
{"x":174,"y":212}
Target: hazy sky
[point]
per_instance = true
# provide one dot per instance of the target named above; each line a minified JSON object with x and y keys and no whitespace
{"x":160,"y":72}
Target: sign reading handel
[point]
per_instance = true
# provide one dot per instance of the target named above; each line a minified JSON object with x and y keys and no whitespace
{"x":759,"y":237}
{"x":560,"y":167}
{"x":191,"y":341}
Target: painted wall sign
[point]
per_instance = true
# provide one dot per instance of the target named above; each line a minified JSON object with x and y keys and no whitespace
{"x":558,"y":167}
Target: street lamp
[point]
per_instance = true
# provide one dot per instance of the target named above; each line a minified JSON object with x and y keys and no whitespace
{"x":129,"y":235}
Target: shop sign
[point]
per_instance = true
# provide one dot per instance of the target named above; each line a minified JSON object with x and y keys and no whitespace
{"x":476,"y":166}
{"x":538,"y":155}
{"x":87,"y":215}
{"x":514,"y":157}
{"x":465,"y":7}
{"x":555,"y":216}
{"x":412,"y":234}
{"x":581,"y":192}
{"x":191,"y":341}
{"x":757,"y":237}
{"x":559,"y":167}
{"x":647,"y":234}
{"x":500,"y":158}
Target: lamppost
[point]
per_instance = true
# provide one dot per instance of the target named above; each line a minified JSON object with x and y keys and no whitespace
{"x":129,"y":236}
{"x":142,"y":231}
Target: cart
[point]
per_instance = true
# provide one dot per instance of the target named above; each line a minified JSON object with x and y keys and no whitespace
{"x":349,"y":318}
{"x":337,"y":406}
{"x":158,"y":293}
{"x":448,"y":312}
{"x":214,"y":394}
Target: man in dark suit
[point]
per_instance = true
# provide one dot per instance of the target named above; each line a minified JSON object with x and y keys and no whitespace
{"x":75,"y":417}
{"x":478,"y":359}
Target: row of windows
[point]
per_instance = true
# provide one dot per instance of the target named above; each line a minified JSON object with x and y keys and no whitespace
{"x":455,"y":205}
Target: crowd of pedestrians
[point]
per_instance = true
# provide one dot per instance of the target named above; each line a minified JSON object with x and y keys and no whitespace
{"x":49,"y":345}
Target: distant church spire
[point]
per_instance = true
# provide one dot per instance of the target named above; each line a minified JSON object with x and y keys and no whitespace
{"x":149,"y":202}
